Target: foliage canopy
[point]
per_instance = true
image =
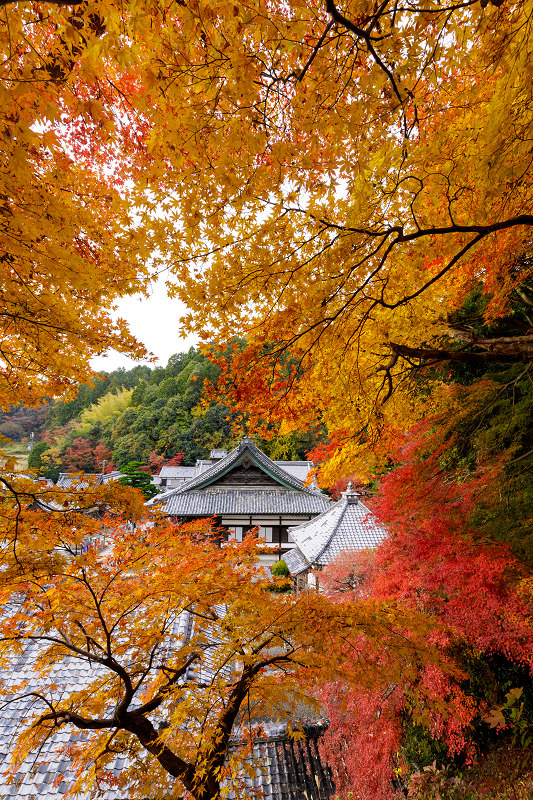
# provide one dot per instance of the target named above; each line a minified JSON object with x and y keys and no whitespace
{"x":167,"y":702}
{"x":330,"y":182}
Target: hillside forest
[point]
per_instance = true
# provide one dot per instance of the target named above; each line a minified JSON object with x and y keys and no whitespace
{"x":150,"y":415}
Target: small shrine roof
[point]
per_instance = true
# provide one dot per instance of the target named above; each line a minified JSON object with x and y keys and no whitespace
{"x":347,"y":525}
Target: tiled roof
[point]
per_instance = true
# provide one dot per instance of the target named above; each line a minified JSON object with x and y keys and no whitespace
{"x":288,"y":770}
{"x":348,"y":525}
{"x":228,"y":501}
{"x":43,"y":776}
{"x":75,"y":480}
{"x":300,"y":469}
{"x":177,"y":472}
{"x":296,"y":561}
{"x":217,"y":453}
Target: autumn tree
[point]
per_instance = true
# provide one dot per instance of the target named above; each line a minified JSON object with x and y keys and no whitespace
{"x":335,"y":144}
{"x":377,"y":202}
{"x":482,"y":625}
{"x":68,"y":244}
{"x":185,"y":646}
{"x":83,"y":456}
{"x":341,"y":206}
{"x":457,"y":504}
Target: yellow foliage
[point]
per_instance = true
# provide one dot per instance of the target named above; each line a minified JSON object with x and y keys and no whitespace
{"x":108,"y":407}
{"x":116,"y":614}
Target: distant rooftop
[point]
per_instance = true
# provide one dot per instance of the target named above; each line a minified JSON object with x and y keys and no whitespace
{"x":78,"y":480}
{"x":216,"y":455}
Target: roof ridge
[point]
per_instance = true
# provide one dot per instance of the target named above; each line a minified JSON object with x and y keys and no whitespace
{"x":225,"y":464}
{"x":335,"y":527}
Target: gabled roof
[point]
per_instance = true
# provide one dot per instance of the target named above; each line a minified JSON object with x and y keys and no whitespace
{"x":245,"y":454}
{"x":348,"y":525}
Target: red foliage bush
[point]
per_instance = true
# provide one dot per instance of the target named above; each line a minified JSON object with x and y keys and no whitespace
{"x":436,"y":562}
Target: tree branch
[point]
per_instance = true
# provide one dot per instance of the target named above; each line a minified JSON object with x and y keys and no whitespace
{"x":64,"y":717}
{"x":504,"y":349}
{"x":156,"y":701}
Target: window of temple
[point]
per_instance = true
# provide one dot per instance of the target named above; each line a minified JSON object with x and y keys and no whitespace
{"x":280,"y":534}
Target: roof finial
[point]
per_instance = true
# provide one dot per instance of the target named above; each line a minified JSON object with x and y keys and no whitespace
{"x":350,"y":495}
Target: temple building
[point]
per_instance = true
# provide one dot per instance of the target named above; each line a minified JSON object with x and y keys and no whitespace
{"x":245,"y":489}
{"x":76,"y":480}
{"x":346,"y":525}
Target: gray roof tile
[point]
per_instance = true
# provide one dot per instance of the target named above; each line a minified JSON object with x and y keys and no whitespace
{"x":348,"y":525}
{"x":300,"y":469}
{"x":296,"y":561}
{"x":80,"y":480}
{"x":217,"y":502}
{"x":177,"y":472}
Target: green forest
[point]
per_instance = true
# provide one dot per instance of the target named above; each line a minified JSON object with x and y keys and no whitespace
{"x":149,"y":415}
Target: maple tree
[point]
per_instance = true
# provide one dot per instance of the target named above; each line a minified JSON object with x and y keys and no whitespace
{"x":326,"y":198}
{"x":83,"y":456}
{"x":334,"y":143}
{"x":382,"y":180}
{"x":456,"y":505}
{"x":482,"y":625}
{"x":456,"y":500}
{"x":363,"y":739}
{"x":120,"y":613}
{"x":175,"y":461}
{"x":68,"y":250}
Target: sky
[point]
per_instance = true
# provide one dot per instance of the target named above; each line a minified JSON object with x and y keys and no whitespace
{"x":154,"y":321}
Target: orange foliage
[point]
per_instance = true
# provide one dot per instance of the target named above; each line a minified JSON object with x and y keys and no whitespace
{"x":115,"y":611}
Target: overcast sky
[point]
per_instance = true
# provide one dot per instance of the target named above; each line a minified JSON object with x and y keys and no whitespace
{"x":154,"y":321}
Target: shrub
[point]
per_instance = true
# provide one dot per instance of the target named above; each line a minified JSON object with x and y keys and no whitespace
{"x":280,"y":570}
